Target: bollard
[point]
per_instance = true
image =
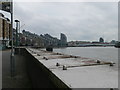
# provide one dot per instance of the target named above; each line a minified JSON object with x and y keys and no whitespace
{"x":98,"y":61}
{"x":38,"y":54}
{"x":64,"y":67}
{"x":111,"y":64}
{"x":45,"y":58}
{"x":57,"y":64}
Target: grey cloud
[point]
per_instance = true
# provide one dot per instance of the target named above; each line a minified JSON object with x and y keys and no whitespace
{"x":79,"y":21}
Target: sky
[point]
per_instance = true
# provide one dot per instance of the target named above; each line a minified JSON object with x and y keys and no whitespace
{"x":86,"y":21}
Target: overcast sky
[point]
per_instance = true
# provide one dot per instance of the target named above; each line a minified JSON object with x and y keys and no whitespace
{"x":78,"y":20}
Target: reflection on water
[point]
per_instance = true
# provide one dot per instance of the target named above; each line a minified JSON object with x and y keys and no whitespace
{"x":102,"y":53}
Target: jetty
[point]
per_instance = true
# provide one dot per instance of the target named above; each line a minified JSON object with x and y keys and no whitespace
{"x":68,"y":71}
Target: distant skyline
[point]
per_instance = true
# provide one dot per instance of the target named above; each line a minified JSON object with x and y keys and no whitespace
{"x":77,"y":20}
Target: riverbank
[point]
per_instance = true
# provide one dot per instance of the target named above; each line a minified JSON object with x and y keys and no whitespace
{"x":75,"y":71}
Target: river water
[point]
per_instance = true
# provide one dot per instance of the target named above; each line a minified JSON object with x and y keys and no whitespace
{"x":101,"y":53}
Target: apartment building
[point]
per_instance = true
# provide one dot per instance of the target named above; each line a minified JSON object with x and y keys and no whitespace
{"x":5,"y":31}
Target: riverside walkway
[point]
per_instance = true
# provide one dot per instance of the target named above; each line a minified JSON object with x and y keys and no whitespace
{"x":36,"y":68}
{"x":21,"y":79}
{"x":77,"y":72}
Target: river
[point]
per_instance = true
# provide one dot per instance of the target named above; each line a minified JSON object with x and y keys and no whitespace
{"x":101,"y":53}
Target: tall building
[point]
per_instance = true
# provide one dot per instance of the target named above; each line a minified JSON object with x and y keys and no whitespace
{"x":101,"y":40}
{"x":63,"y":39}
{"x":5,"y":31}
{"x":1,"y":27}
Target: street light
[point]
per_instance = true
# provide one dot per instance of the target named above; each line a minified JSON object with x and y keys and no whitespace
{"x":12,"y":61}
{"x":12,"y":69}
{"x":19,"y":34}
{"x":17,"y":25}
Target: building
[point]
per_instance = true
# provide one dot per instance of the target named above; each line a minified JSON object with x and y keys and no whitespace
{"x":63,"y":39}
{"x":1,"y":27}
{"x":30,"y":39}
{"x":5,"y":30}
{"x":48,"y":40}
{"x":78,"y":43}
{"x":113,"y":42}
{"x":101,"y":40}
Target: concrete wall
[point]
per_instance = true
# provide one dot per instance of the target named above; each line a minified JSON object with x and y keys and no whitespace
{"x":40,"y":76}
{"x":0,"y":69}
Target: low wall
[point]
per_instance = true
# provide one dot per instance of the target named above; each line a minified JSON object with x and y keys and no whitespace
{"x":40,"y":76}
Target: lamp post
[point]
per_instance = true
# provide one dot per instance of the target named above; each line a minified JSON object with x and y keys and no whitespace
{"x":19,"y":33}
{"x":12,"y":61}
{"x":17,"y":25}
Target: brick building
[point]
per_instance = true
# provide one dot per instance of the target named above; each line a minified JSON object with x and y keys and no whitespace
{"x":5,"y":31}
